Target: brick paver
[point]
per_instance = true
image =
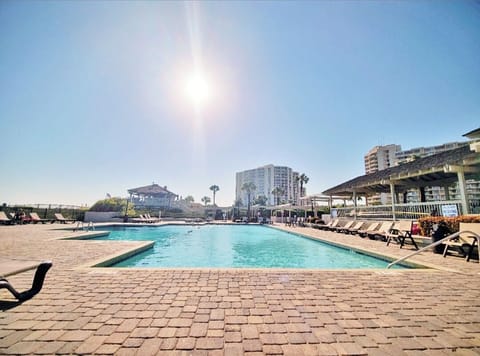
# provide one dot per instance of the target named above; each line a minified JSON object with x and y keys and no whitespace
{"x":85,"y":310}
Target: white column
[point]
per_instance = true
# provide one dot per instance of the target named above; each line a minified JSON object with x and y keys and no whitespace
{"x":354,"y":205}
{"x":463,"y":191}
{"x":392,"y":193}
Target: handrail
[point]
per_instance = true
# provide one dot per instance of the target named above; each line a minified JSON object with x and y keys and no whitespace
{"x":449,"y":237}
{"x":81,"y":225}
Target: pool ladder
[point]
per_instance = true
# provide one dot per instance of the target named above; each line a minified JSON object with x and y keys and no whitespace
{"x":81,"y":226}
{"x":449,"y":237}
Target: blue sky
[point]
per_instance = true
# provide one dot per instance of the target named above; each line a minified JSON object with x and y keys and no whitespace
{"x":92,"y":97}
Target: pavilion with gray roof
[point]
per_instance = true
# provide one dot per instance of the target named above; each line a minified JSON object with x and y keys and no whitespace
{"x":442,"y":169}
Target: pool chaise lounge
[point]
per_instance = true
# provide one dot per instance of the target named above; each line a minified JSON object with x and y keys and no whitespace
{"x":464,"y":240}
{"x":4,"y":219}
{"x":10,"y":267}
{"x":59,"y":218}
{"x":400,"y":232}
{"x":36,"y":219}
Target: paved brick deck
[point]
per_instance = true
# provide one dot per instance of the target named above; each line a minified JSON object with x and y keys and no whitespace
{"x":84,"y":310}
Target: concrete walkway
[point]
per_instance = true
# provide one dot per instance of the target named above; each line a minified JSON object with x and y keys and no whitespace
{"x":84,"y":310}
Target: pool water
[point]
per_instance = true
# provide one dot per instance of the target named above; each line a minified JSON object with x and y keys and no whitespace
{"x":238,"y":246}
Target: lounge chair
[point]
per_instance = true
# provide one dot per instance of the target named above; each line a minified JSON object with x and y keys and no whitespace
{"x":4,"y":219}
{"x":464,"y":240}
{"x":381,"y":232}
{"x":36,"y":219}
{"x":59,"y":218}
{"x":332,"y":224}
{"x":355,"y":228}
{"x":400,"y":231}
{"x":369,"y":229}
{"x":9,"y":267}
{"x":345,"y":227}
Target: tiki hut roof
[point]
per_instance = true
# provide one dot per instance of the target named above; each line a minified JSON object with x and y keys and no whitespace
{"x":439,"y":169}
{"x":151,"y":190}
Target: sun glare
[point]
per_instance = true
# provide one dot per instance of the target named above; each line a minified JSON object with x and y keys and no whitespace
{"x":197,"y":89}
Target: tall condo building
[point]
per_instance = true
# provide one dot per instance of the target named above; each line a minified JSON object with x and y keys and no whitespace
{"x":380,"y":157}
{"x":266,"y":179}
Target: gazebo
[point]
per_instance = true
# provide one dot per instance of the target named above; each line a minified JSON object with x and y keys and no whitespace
{"x":442,"y":169}
{"x":152,"y":196}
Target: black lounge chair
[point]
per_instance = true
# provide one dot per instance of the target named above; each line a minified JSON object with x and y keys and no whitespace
{"x":11,"y":267}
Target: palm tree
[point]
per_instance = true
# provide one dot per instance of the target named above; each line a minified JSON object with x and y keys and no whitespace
{"x":260,"y":200}
{"x":236,"y":207}
{"x":303,"y":179}
{"x":277,"y":193}
{"x":206,"y":200}
{"x":249,"y":188}
{"x":214,"y":189}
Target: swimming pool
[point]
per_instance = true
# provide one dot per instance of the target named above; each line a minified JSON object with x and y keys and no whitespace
{"x":244,"y":246}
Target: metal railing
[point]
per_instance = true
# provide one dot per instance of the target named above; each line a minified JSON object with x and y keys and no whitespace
{"x":401,"y":211}
{"x":81,"y":226}
{"x":436,"y":243}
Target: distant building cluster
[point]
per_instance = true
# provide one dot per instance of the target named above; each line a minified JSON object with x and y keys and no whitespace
{"x":383,"y":157}
{"x":266,"y":179}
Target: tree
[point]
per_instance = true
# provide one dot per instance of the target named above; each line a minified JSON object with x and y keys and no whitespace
{"x":205,"y":200}
{"x":189,"y":199}
{"x":214,"y":189}
{"x":236,"y":207}
{"x":277,"y":193}
{"x":261,"y":200}
{"x":303,"y":179}
{"x":249,"y":188}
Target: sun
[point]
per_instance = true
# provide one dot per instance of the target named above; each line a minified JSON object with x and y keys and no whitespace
{"x":198,"y":89}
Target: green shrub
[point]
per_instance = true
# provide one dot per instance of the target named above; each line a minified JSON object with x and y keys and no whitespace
{"x":113,"y":204}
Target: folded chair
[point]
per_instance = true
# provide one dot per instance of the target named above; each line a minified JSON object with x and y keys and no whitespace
{"x":400,"y":231}
{"x":9,"y":267}
{"x":464,"y":241}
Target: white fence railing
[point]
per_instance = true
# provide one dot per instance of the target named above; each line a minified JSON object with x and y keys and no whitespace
{"x":402,"y":211}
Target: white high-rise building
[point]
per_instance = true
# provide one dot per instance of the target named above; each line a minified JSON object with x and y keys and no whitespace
{"x":266,"y":179}
{"x":378,"y":158}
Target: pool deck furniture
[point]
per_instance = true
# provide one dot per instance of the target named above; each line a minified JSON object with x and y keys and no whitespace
{"x":344,"y":228}
{"x":59,"y":218}
{"x":370,"y":229}
{"x":4,"y":219}
{"x":34,"y":218}
{"x":464,"y":241}
{"x":400,"y":232}
{"x":355,"y":228}
{"x":381,"y":232}
{"x":10,"y":267}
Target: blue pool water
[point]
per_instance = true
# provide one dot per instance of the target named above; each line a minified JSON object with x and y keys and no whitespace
{"x":235,"y":246}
